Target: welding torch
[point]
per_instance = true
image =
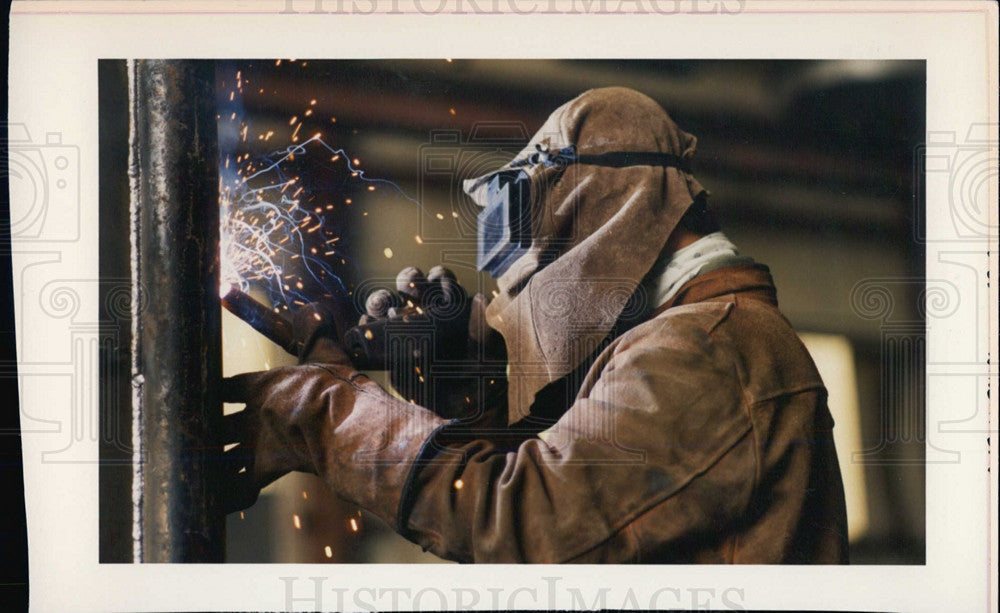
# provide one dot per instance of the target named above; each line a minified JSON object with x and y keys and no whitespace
{"x":364,"y":344}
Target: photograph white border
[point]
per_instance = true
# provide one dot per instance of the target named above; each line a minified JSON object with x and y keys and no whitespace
{"x":54,"y":51}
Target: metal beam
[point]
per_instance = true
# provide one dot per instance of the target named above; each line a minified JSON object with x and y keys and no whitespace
{"x":177,"y":357}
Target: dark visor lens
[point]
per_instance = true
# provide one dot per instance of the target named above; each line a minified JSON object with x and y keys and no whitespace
{"x":505,"y":222}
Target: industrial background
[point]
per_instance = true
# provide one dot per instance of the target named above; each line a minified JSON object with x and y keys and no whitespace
{"x":813,"y":169}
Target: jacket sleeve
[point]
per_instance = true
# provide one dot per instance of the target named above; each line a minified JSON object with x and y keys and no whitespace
{"x":653,"y":422}
{"x":658,"y":415}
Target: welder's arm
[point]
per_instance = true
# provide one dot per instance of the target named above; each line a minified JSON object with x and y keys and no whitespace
{"x":629,"y":447}
{"x":322,"y":417}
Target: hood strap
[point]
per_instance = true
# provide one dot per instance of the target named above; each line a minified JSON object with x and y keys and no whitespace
{"x":614,"y":159}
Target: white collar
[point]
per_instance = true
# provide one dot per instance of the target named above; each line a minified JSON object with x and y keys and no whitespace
{"x":674,"y":269}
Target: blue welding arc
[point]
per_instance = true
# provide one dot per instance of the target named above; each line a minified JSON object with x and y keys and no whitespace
{"x":299,"y":149}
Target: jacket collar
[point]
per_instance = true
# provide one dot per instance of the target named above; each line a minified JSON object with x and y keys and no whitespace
{"x":745,"y":280}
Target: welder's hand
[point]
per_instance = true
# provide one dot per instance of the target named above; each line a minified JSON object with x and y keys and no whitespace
{"x":257,"y":457}
{"x":434,"y":341}
{"x":267,"y":433}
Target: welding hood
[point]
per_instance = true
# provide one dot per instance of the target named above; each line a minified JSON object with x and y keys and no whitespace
{"x":603,"y":182}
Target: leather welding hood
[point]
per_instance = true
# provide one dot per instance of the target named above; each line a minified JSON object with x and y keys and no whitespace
{"x":596,"y":230}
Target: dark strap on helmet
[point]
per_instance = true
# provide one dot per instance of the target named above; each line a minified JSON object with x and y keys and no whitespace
{"x":613,"y":159}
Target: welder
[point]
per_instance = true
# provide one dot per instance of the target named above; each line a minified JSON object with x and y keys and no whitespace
{"x":633,"y":394}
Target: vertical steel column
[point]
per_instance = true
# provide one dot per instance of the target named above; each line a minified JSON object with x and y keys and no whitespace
{"x":177,"y":357}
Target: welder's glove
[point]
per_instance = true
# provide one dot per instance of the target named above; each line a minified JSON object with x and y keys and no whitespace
{"x":434,"y":341}
{"x":326,"y":419}
{"x":262,"y":452}
{"x":321,"y":416}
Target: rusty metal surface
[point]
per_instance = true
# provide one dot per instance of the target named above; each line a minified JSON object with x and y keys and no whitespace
{"x":177,"y":357}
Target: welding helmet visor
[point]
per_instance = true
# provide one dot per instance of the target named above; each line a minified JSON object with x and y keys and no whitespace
{"x":504,"y":223}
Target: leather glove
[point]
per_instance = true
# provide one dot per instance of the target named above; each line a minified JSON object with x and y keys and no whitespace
{"x":434,"y":341}
{"x":321,"y":417}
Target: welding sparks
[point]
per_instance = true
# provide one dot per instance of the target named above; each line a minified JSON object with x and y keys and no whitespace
{"x":297,"y":522}
{"x":276,"y":230}
{"x":354,"y":525}
{"x":268,"y":222}
{"x":328,"y":551}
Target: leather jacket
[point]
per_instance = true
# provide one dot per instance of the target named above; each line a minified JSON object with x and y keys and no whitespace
{"x":701,"y":435}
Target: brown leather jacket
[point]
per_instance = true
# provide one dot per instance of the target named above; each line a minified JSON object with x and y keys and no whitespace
{"x":699,"y":436}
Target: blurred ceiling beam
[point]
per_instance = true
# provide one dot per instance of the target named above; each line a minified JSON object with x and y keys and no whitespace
{"x":746,"y":92}
{"x":398,"y":155}
{"x":362,"y":108}
{"x":736,"y":89}
{"x":796,"y":204}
